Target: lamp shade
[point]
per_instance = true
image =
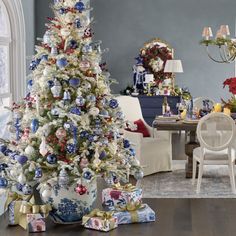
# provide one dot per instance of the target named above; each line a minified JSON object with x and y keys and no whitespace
{"x":207,"y":32}
{"x":173,"y":66}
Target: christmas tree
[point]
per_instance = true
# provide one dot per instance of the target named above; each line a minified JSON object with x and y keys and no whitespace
{"x":67,"y":128}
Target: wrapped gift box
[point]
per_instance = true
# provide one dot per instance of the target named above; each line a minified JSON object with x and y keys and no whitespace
{"x":119,"y":196}
{"x":142,"y":215}
{"x":36,"y":223}
{"x":13,"y":208}
{"x":97,"y":221}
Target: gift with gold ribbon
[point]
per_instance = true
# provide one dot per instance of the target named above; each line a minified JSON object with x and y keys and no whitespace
{"x":19,"y":209}
{"x":135,"y":213}
{"x":119,"y":195}
{"x":100,"y":220}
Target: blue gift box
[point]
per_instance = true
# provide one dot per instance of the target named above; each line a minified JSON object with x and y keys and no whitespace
{"x":142,"y":215}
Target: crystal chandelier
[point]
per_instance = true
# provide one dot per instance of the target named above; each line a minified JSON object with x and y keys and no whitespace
{"x":225,"y":44}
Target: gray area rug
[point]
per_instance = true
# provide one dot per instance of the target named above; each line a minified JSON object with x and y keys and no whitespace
{"x":215,"y":184}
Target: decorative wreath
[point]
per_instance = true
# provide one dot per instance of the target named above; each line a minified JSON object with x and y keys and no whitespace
{"x":154,"y":56}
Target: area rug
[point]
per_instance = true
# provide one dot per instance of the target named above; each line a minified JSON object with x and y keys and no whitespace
{"x":215,"y":184}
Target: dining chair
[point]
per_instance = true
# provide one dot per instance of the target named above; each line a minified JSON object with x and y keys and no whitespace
{"x":216,"y":133}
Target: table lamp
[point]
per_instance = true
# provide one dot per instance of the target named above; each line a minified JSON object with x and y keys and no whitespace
{"x":173,"y":66}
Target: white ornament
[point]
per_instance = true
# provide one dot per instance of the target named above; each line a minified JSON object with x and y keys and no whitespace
{"x":94,"y":111}
{"x":29,"y":151}
{"x":56,"y":89}
{"x":47,"y":193}
{"x":21,"y":179}
{"x":43,"y":148}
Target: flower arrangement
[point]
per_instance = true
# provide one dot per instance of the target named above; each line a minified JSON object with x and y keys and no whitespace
{"x":231,"y":103}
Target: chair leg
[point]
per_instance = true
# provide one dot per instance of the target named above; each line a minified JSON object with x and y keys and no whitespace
{"x":194,"y":170}
{"x":199,"y":180}
{"x":231,"y":175}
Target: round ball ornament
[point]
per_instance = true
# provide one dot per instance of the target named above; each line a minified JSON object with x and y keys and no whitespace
{"x":55,"y":112}
{"x":87,"y":175}
{"x":74,"y":82}
{"x":67,"y":126}
{"x":61,"y":133}
{"x":3,"y":182}
{"x":3,"y":148}
{"x":29,"y":151}
{"x":79,"y":6}
{"x":104,"y":113}
{"x":86,"y":85}
{"x":52,"y":159}
{"x":126,"y":143}
{"x":71,"y":148}
{"x":73,"y":44}
{"x":3,"y":166}
{"x":62,"y":62}
{"x":113,"y":103}
{"x":91,"y":98}
{"x":81,"y":189}
{"x":138,"y":175}
{"x":80,"y":101}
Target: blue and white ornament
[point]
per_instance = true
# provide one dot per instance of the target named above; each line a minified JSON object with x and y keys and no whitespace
{"x":63,"y":179}
{"x":91,"y":98}
{"x":52,"y":159}
{"x":73,"y":44}
{"x":66,"y":96}
{"x":87,"y":48}
{"x":44,"y":57}
{"x":113,"y":103}
{"x":55,"y":111}
{"x":3,"y":148}
{"x":54,"y":51}
{"x":50,"y":83}
{"x":78,"y":23}
{"x":132,"y":152}
{"x":126,"y":143}
{"x":120,"y":115}
{"x":104,"y":113}
{"x":56,"y":89}
{"x":62,"y":62}
{"x":79,"y":6}
{"x":84,"y":134}
{"x":62,"y":10}
{"x":67,"y":126}
{"x":80,"y":101}
{"x":87,"y":175}
{"x":38,"y":173}
{"x":103,"y":155}
{"x":30,"y":84}
{"x":47,"y":37}
{"x":75,"y":110}
{"x":138,"y":175}
{"x":27,"y":189}
{"x":3,"y":182}
{"x":71,"y":148}
{"x":34,"y":125}
{"x":3,"y":166}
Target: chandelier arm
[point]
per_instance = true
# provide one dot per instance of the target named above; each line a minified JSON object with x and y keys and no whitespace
{"x":230,"y":59}
{"x":223,"y":55}
{"x":213,"y":59}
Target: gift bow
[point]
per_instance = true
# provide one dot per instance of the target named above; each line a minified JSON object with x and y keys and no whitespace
{"x":127,"y":187}
{"x":104,"y":215}
{"x":30,"y":208}
{"x":132,"y":208}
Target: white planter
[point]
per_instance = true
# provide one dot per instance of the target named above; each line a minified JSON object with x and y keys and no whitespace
{"x":68,"y":206}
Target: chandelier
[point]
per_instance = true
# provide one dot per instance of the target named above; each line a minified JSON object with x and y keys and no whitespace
{"x":226,"y":45}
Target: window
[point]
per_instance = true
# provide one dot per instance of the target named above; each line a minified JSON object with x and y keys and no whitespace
{"x":12,"y":51}
{"x":5,"y":40}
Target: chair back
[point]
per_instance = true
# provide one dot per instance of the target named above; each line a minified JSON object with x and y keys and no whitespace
{"x":130,"y":106}
{"x":216,"y":131}
{"x":198,"y":103}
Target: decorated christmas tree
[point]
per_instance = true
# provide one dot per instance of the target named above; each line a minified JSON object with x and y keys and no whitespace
{"x":67,"y":130}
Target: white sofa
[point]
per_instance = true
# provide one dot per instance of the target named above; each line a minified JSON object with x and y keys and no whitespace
{"x":155,"y":152}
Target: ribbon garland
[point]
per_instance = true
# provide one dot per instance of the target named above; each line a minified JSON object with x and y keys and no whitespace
{"x":127,"y":187}
{"x":103,"y":215}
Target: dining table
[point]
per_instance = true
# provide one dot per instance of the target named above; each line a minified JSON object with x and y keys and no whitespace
{"x":190,"y":128}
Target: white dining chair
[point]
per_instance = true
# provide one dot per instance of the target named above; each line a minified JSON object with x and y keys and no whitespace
{"x":216,"y":134}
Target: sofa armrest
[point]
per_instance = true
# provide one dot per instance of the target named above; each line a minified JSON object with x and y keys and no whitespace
{"x":135,"y":138}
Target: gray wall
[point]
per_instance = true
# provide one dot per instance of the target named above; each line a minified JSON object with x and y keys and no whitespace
{"x":28,"y":8}
{"x":125,"y":25}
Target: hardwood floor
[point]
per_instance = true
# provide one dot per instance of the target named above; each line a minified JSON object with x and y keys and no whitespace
{"x":175,"y":217}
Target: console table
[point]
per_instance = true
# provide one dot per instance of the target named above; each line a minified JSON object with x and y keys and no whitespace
{"x":152,"y":106}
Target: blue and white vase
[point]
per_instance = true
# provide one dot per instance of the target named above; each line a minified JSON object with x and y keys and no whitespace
{"x":68,"y":206}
